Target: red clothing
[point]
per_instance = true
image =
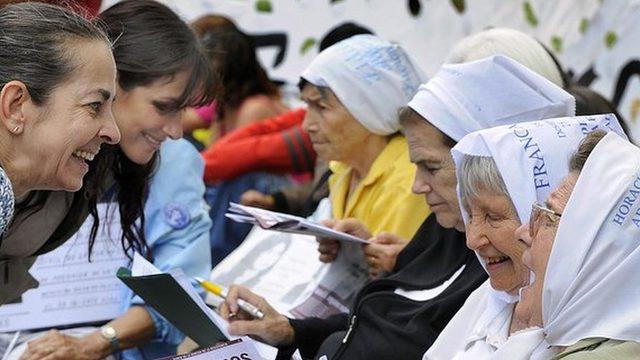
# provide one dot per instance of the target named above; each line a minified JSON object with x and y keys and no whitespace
{"x":277,"y":145}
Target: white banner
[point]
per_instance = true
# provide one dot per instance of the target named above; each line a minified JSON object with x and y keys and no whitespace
{"x":595,"y":40}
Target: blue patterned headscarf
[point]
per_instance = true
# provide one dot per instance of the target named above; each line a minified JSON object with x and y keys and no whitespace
{"x":7,"y":201}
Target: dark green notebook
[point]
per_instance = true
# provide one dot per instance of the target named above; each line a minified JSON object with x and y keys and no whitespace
{"x":169,"y":299}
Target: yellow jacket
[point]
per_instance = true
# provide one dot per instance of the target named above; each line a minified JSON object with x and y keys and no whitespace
{"x":383,"y":200}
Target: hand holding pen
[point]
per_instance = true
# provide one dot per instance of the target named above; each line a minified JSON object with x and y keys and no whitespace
{"x":273,"y":328}
{"x":221,"y":292}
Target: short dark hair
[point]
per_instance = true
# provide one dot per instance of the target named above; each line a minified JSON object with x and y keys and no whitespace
{"x":35,"y":43}
{"x":151,"y":42}
{"x":342,"y":32}
{"x":579,"y":158}
{"x":407,"y":116}
{"x":590,"y":102}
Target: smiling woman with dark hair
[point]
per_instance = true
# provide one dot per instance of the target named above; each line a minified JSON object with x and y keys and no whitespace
{"x":57,"y":76}
{"x":161,"y":70}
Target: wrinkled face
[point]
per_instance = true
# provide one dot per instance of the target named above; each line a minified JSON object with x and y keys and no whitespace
{"x":75,"y":120}
{"x":537,"y":256}
{"x":148,"y":115}
{"x":491,"y":234}
{"x":435,"y":173}
{"x":334,"y":132}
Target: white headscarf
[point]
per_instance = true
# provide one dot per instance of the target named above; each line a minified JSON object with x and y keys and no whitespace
{"x":371,"y":77}
{"x":532,"y":159}
{"x":462,"y":98}
{"x":591,"y":287}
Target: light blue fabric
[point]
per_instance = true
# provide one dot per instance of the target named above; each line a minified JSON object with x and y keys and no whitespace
{"x":177,"y":226}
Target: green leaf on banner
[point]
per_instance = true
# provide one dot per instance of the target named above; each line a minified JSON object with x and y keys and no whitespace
{"x":307,"y":45}
{"x":459,"y":5}
{"x":529,"y":14}
{"x":264,"y":6}
{"x":610,"y":39}
{"x":584,"y":25}
{"x":556,"y":43}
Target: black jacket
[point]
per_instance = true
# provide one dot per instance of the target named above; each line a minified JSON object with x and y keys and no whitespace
{"x":384,"y":325}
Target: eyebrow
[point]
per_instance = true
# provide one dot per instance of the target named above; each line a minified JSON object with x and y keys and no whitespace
{"x":106,"y":94}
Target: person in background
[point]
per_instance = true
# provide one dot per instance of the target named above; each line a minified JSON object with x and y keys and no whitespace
{"x":302,"y":199}
{"x":249,"y":162}
{"x":248,"y":94}
{"x":154,"y":86}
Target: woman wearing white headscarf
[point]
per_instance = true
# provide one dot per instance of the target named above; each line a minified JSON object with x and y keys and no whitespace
{"x":585,"y":295}
{"x":354,"y":91}
{"x":402,"y":313}
{"x":501,"y":171}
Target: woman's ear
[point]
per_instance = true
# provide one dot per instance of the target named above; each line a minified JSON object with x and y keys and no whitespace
{"x":13,"y":98}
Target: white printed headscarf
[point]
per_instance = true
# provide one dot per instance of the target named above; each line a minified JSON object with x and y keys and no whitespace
{"x":592,"y":287}
{"x":462,"y":98}
{"x":532,"y":158}
{"x":371,"y":77}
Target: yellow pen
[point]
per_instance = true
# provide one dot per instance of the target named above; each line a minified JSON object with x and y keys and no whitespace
{"x":221,"y":292}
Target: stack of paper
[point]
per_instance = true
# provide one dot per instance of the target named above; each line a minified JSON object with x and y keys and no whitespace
{"x":271,"y":220}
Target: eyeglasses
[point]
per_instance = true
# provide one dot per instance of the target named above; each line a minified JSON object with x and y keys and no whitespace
{"x":537,"y":210}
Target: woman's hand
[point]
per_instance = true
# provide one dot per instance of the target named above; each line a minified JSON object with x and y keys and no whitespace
{"x":273,"y":329}
{"x":258,"y":199}
{"x":55,"y":345}
{"x":329,"y":248}
{"x":382,"y":251}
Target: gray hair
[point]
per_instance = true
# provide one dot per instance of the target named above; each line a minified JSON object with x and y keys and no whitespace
{"x":34,"y":45}
{"x":512,"y":43}
{"x":479,"y":174}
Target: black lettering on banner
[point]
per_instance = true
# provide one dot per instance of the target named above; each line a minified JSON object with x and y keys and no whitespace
{"x":279,"y":40}
{"x":245,"y":356}
{"x":630,"y":69}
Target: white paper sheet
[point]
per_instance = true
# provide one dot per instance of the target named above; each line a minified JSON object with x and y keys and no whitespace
{"x":238,"y":349}
{"x":284,"y":269}
{"x":72,"y":290}
{"x":271,"y":220}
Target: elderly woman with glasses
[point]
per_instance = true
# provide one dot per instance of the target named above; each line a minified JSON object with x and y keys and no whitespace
{"x":583,"y":249}
{"x":500,"y":172}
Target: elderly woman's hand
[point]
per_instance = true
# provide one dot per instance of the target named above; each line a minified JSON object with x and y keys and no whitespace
{"x":382,"y":251}
{"x":55,"y":345}
{"x":329,"y":248}
{"x":273,"y":329}
{"x":258,"y":199}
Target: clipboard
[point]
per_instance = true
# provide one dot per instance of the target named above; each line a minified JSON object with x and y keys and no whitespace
{"x":169,"y":299}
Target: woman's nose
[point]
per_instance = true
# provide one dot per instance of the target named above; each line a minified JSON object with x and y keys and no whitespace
{"x":109,"y":131}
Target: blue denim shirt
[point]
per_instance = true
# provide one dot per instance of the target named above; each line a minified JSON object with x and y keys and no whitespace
{"x":177,"y":226}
